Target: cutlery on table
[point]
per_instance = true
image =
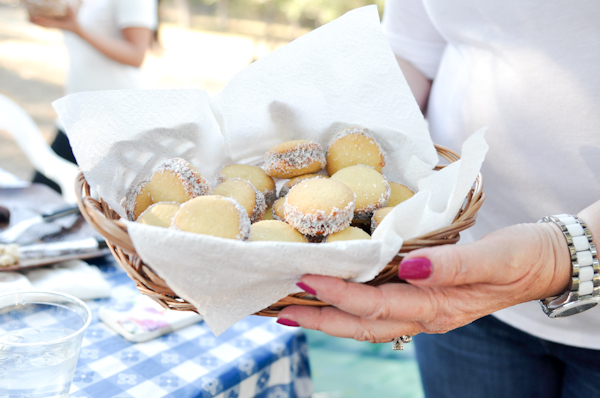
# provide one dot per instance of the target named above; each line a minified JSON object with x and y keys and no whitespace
{"x":13,"y":233}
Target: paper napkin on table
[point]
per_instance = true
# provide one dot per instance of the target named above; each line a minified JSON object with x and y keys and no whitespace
{"x":340,"y":75}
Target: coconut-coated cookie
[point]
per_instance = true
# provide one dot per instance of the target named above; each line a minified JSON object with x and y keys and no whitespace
{"x":245,"y":194}
{"x":213,"y":215}
{"x":354,"y":146}
{"x":399,"y":194}
{"x":378,"y":217}
{"x":253,"y":174}
{"x":285,"y":189}
{"x":273,"y":230}
{"x":370,"y":186}
{"x":350,"y":233}
{"x":159,"y":214}
{"x":294,"y":158}
{"x":319,"y":207}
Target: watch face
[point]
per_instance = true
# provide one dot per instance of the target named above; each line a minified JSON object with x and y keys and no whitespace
{"x":574,"y":308}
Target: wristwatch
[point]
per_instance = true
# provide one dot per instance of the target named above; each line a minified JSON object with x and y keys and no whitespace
{"x":584,"y":289}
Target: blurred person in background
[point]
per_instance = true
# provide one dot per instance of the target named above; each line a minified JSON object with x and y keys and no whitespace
{"x":529,"y":70}
{"x":107,"y":41}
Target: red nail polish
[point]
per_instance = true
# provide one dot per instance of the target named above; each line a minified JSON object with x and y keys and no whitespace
{"x":415,"y":268}
{"x":306,"y":288}
{"x":287,"y":322}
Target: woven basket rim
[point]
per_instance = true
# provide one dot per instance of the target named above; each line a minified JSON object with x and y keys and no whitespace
{"x":109,"y":224}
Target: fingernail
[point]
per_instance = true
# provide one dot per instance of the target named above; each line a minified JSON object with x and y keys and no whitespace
{"x":287,"y":322}
{"x":306,"y":288}
{"x":415,"y":268}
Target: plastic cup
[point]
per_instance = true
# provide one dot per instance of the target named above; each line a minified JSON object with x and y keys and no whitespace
{"x":40,"y":339}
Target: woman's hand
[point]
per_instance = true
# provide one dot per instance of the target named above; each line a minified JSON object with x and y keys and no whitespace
{"x":449,"y":286}
{"x":68,"y":22}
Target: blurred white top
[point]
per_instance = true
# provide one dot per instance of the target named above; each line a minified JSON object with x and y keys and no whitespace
{"x":527,"y":69}
{"x":89,"y":69}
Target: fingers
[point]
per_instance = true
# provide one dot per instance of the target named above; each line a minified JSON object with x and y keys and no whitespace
{"x":394,"y":301}
{"x":335,"y":322}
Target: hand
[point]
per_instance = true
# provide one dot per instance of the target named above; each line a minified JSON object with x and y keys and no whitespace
{"x":448,"y":287}
{"x":68,"y":22}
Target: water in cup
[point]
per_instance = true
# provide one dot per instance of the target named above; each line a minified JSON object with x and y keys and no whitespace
{"x":39,"y":347}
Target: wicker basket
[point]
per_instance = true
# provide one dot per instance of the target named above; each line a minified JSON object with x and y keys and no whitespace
{"x":107,"y":222}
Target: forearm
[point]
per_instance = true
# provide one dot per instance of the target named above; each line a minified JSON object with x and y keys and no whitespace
{"x":418,"y":83}
{"x":118,"y":50}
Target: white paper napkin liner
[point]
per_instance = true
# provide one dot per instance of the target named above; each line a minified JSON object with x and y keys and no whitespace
{"x":227,"y":280}
{"x":120,"y":136}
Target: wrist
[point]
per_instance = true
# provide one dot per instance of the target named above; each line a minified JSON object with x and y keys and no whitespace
{"x":562,"y":260}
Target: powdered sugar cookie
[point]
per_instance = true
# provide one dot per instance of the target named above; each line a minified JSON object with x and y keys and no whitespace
{"x":253,"y":174}
{"x":294,"y":158}
{"x":319,"y":207}
{"x":354,"y":146}
{"x":213,"y":215}
{"x":245,"y":194}
{"x":273,"y":230}
{"x":370,"y":186}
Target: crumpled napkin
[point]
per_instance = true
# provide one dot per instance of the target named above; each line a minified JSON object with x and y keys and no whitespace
{"x":340,"y":75}
{"x":74,"y":277}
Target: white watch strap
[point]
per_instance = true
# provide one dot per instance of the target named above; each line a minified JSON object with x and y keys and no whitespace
{"x":585,"y":277}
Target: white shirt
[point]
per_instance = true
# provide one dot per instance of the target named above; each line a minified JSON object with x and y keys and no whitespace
{"x":530,"y":71}
{"x":91,"y":70}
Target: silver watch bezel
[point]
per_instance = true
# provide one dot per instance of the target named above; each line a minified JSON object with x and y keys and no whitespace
{"x":567,"y":304}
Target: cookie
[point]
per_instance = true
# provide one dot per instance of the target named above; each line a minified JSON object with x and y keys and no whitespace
{"x":138,"y":199}
{"x":354,"y":146}
{"x":278,"y":209}
{"x":319,"y":207}
{"x":213,"y":215}
{"x":378,"y":217}
{"x":245,"y":194}
{"x":159,"y":214}
{"x":285,"y":189}
{"x":273,"y":230}
{"x":253,"y":174}
{"x":268,"y":214}
{"x":399,"y":194}
{"x":350,"y":233}
{"x":370,"y":186}
{"x":175,"y":180}
{"x":294,"y":158}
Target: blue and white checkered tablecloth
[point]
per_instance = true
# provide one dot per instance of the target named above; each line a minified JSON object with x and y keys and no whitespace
{"x":255,"y":358}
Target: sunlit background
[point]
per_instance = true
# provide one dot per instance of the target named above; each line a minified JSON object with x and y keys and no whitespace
{"x":203,"y":44}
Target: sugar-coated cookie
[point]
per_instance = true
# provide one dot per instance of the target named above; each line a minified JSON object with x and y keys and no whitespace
{"x":350,"y":233}
{"x":273,"y":230}
{"x":378,"y":217}
{"x":245,"y":194}
{"x":278,"y":209}
{"x":159,"y":214}
{"x":354,"y":146}
{"x":294,"y":158}
{"x":175,"y":180}
{"x":399,"y":194}
{"x":319,"y":207}
{"x":213,"y":215}
{"x":285,"y":189}
{"x":138,"y":199}
{"x":253,"y":174}
{"x":370,"y":186}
